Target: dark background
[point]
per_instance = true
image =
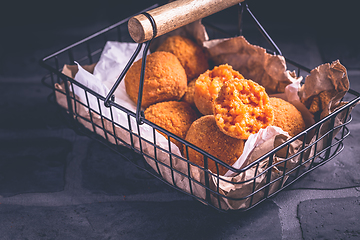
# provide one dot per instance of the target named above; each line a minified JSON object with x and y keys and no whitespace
{"x":43,"y":12}
{"x":29,"y":25}
{"x":54,"y":13}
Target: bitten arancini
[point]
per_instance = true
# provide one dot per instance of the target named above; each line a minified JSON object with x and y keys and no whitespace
{"x":164,"y":79}
{"x":175,"y":117}
{"x":208,"y":85}
{"x":287,"y":116}
{"x":242,"y":108}
{"x":190,"y":55}
{"x":205,"y":134}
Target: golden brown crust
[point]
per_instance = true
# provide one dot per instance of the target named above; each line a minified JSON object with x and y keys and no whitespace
{"x":175,"y":117}
{"x":190,"y":55}
{"x":205,"y":134}
{"x":287,"y":117}
{"x":208,"y":85}
{"x":164,"y":79}
{"x":242,"y":108}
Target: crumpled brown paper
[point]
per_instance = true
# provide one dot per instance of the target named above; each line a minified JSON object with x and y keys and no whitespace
{"x":252,"y":62}
{"x":326,"y":85}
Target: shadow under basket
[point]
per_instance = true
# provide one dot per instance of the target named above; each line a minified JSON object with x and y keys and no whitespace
{"x":251,"y":185}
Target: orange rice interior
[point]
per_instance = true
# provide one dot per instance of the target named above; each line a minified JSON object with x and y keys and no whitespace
{"x":242,"y":108}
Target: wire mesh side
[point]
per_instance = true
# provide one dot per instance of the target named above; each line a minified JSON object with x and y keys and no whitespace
{"x":267,"y":175}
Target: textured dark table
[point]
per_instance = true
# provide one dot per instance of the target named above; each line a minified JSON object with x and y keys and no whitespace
{"x":55,"y":184}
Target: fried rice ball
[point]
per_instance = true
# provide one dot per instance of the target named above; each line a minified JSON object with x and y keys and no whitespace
{"x":164,"y":79}
{"x":208,"y":85}
{"x":242,"y":108}
{"x":204,"y":134}
{"x":190,"y":55}
{"x":287,"y":117}
{"x":175,"y":117}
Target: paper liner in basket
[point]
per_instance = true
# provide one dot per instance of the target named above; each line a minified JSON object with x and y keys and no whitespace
{"x":81,"y":113}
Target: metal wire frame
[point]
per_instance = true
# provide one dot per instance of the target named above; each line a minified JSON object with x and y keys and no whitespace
{"x":214,"y":197}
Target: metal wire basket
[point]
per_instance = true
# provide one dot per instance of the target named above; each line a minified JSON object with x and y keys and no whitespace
{"x":266,"y":179}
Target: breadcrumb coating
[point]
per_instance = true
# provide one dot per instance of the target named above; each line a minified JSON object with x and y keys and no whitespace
{"x":287,"y":117}
{"x":242,"y":108}
{"x":209,"y":84}
{"x":190,"y":55}
{"x":205,"y":134}
{"x":164,"y":79}
{"x":175,"y":117}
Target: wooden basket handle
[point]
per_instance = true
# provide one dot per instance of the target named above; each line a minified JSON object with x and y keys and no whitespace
{"x":174,"y":15}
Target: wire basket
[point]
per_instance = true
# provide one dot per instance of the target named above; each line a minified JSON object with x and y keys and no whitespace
{"x":268,"y":176}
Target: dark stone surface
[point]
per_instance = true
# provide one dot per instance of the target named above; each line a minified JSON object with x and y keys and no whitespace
{"x":23,"y":106}
{"x":32,"y":165}
{"x":336,"y":218}
{"x":105,"y":171}
{"x":137,"y":220}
